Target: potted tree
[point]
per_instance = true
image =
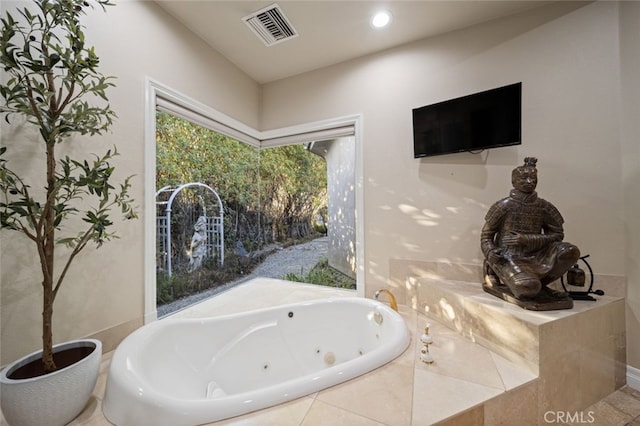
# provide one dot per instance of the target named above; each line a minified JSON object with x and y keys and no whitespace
{"x":51,"y":84}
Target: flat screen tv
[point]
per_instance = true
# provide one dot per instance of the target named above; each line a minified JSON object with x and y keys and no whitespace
{"x":475,"y":122}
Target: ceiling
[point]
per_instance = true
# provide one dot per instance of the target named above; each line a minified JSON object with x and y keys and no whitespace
{"x":329,"y":32}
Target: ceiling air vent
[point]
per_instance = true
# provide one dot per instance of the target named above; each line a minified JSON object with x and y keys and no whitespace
{"x":270,"y":25}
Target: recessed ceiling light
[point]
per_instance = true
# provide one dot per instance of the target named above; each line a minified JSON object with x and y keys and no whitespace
{"x":381,"y":19}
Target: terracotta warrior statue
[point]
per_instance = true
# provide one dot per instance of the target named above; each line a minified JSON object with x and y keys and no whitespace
{"x":522,"y":242}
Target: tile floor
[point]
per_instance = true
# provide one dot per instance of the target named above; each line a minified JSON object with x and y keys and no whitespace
{"x":621,"y":408}
{"x":466,"y":378}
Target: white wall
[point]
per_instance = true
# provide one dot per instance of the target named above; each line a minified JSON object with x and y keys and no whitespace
{"x":341,"y":186}
{"x":104,"y":290}
{"x":433,"y":208}
{"x":567,"y":58}
{"x":630,"y":70}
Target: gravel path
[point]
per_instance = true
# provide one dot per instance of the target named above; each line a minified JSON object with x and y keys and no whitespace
{"x":298,"y":259}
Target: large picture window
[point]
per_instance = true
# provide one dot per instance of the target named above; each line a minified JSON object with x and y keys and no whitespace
{"x":275,"y":186}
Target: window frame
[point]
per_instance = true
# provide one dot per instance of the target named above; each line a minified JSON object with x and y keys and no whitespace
{"x":159,"y":96}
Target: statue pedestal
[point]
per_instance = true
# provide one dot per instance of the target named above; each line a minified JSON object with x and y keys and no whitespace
{"x":544,"y":302}
{"x":578,"y":354}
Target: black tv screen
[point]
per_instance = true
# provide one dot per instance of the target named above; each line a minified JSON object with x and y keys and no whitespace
{"x":475,"y":122}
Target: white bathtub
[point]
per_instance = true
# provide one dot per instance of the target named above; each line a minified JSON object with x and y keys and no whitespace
{"x":194,"y":371}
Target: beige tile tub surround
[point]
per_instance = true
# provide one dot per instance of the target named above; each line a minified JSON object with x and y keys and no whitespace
{"x":467,"y":384}
{"x":578,"y":354}
{"x":404,"y":272}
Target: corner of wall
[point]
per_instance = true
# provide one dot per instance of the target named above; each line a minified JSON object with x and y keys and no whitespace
{"x":633,"y":377}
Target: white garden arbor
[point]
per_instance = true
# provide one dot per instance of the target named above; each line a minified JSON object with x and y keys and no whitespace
{"x":180,"y":213}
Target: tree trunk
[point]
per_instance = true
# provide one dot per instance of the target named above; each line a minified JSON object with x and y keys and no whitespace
{"x":48,"y":295}
{"x":47,"y":327}
{"x":47,"y":254}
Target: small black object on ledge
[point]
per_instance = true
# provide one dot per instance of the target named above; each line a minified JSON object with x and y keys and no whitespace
{"x":576,"y":277}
